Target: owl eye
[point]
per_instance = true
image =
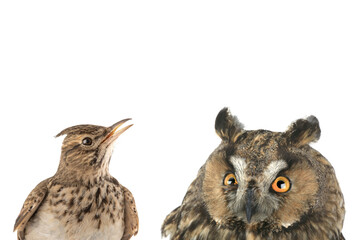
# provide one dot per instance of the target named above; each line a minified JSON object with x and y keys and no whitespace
{"x":281,"y":184}
{"x":230,"y":180}
{"x":87,"y":141}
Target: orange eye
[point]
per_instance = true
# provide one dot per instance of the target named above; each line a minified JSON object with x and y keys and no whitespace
{"x":230,"y":180}
{"x":281,"y":184}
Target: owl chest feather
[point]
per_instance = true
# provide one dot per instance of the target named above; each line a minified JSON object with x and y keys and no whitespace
{"x":195,"y":223}
{"x":79,"y":213}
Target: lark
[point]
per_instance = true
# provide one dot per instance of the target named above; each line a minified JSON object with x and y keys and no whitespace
{"x":82,"y":201}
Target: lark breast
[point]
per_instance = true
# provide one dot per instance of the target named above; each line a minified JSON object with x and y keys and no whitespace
{"x":90,"y":213}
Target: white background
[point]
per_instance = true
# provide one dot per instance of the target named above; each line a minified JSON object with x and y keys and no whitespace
{"x":172,"y":66}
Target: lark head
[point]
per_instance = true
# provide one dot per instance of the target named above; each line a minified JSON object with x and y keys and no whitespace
{"x":89,"y":147}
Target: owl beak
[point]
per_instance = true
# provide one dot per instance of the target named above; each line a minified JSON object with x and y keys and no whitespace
{"x":115,"y":133}
{"x":250,"y":204}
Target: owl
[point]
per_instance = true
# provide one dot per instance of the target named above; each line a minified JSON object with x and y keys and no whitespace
{"x":261,"y":185}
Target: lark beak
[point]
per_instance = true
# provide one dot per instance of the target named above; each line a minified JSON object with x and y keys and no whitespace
{"x":115,"y":133}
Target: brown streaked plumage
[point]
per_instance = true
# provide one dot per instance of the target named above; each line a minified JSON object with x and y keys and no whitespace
{"x":82,"y":200}
{"x":261,"y":185}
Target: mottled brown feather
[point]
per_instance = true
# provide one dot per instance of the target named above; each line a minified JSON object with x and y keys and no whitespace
{"x":130,"y":215}
{"x":31,"y":204}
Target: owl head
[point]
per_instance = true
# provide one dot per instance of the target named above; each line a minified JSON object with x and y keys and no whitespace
{"x":262,"y":176}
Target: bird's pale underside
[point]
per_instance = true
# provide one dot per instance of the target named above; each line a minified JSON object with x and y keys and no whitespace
{"x":82,"y":201}
{"x":261,"y":185}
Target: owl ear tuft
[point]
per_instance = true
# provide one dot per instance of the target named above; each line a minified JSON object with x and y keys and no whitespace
{"x":227,"y":126}
{"x":304,"y":131}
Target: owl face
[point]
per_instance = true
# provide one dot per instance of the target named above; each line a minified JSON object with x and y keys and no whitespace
{"x":259,"y":178}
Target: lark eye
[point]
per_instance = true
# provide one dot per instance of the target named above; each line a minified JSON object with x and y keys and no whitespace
{"x":87,"y":141}
{"x":281,"y":184}
{"x":230,"y":180}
